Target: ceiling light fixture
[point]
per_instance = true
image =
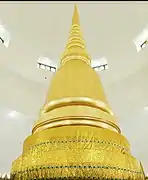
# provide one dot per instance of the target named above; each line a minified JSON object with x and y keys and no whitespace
{"x":141,"y":40}
{"x":4,"y":36}
{"x":99,"y":64}
{"x":46,"y":64}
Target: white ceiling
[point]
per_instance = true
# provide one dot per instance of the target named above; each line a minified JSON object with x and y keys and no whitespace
{"x":42,"y":28}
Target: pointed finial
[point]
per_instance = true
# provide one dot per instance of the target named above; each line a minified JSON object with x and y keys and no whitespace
{"x":75,"y":48}
{"x":75,"y":19}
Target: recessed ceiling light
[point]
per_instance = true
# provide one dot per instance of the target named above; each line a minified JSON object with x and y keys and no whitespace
{"x":46,"y":64}
{"x":101,"y":68}
{"x":99,"y":64}
{"x":106,"y":66}
{"x":48,"y":68}
{"x":52,"y":69}
{"x":42,"y":66}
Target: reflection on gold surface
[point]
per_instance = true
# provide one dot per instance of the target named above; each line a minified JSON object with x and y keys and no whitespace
{"x":76,"y":135}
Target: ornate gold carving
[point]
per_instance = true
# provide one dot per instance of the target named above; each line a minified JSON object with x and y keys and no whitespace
{"x":77,"y":152}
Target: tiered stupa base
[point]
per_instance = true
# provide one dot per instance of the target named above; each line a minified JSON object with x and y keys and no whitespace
{"x":76,"y":152}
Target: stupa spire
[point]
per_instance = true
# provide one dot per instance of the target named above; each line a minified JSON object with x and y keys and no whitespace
{"x":76,"y":135}
{"x":76,"y":83}
{"x":75,"y":48}
{"x":75,"y":18}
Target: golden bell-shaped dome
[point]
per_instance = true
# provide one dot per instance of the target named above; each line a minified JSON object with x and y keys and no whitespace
{"x":76,"y":136}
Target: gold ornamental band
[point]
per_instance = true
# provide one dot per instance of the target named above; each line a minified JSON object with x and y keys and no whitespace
{"x":66,"y":58}
{"x":79,"y":132}
{"x":85,"y":101}
{"x":72,"y":120}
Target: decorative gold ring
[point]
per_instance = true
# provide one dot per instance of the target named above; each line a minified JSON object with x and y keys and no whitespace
{"x":79,"y":120}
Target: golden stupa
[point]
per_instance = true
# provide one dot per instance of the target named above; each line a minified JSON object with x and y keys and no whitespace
{"x":76,"y":136}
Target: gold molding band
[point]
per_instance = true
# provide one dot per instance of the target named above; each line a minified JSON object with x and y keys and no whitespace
{"x":72,"y":120}
{"x":75,"y":57}
{"x":85,"y":101}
